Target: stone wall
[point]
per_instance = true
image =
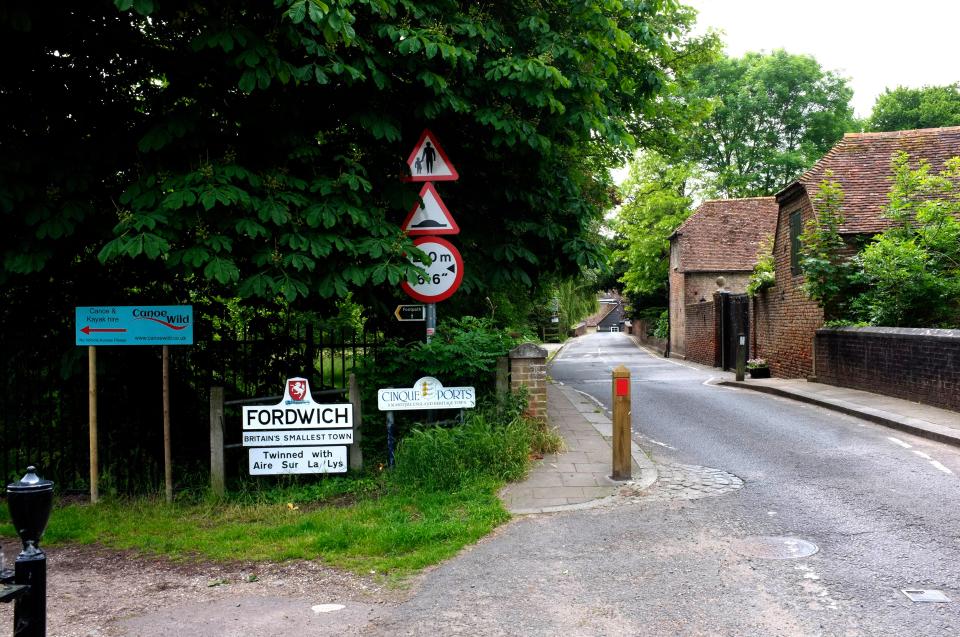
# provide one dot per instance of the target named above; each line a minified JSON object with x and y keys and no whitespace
{"x":916,"y":364}
{"x":677,"y":295}
{"x":528,"y":368}
{"x":784,"y":320}
{"x":701,"y":330}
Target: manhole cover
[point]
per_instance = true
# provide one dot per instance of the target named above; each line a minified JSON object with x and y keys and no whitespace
{"x":925,"y":595}
{"x":774,"y":548}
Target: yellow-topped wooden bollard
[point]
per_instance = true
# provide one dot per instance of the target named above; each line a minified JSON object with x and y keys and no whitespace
{"x":622,"y":460}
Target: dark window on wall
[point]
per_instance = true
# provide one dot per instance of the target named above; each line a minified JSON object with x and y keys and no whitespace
{"x":796,"y":229}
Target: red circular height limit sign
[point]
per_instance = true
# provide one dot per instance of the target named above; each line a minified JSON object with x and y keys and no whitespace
{"x":443,"y":274}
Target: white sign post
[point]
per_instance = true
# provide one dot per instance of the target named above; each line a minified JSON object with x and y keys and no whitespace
{"x":297,"y":435}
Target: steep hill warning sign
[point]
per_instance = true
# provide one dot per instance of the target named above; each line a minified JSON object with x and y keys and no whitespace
{"x":431,"y":217}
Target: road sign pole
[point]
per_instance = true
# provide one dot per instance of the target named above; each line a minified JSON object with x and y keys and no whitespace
{"x":167,"y":461}
{"x":390,"y":439}
{"x":431,"y":320}
{"x":92,"y":419}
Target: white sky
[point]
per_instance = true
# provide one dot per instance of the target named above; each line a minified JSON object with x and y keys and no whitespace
{"x":876,"y":44}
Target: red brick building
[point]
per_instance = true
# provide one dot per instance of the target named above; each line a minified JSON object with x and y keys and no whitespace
{"x":720,"y":239}
{"x":784,"y":320}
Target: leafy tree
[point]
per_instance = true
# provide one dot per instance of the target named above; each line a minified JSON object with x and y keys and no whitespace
{"x":576,"y":300}
{"x":913,"y":269}
{"x":908,"y":108}
{"x":657,"y":197}
{"x":908,"y":275}
{"x":238,"y":148}
{"x":825,"y":260}
{"x":773,"y":116}
{"x":764,"y":273}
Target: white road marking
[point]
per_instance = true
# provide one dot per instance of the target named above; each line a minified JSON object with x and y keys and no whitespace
{"x":939,"y":466}
{"x":936,"y":465}
{"x":599,"y":404}
{"x":662,"y":444}
{"x":712,"y":382}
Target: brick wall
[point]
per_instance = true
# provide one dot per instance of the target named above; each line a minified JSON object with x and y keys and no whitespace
{"x":702,"y":285}
{"x":701,"y":333}
{"x":911,"y":363}
{"x":686,"y":289}
{"x":784,"y":320}
{"x":640,"y":331}
{"x":528,"y":368}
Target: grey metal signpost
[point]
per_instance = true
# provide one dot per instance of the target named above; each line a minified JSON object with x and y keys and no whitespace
{"x":428,"y":162}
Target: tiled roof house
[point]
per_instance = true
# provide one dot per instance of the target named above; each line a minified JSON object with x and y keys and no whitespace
{"x":609,"y":315}
{"x":721,"y":238}
{"x":785,"y":320}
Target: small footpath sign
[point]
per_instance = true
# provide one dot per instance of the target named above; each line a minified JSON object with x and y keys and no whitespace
{"x":426,"y":393}
{"x":411,"y":313}
{"x":297,"y":435}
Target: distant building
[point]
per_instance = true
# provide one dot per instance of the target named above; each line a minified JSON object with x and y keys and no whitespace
{"x":610,"y":316}
{"x":721,"y":238}
{"x":784,"y":319}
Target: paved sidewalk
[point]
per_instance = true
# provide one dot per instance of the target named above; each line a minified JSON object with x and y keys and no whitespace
{"x":934,"y":423}
{"x":579,"y":477}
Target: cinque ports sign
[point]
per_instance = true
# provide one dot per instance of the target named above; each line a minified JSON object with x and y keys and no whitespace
{"x":426,"y":393}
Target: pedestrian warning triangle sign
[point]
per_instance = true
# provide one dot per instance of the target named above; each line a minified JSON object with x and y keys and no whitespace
{"x":429,"y":162}
{"x":430,"y":217}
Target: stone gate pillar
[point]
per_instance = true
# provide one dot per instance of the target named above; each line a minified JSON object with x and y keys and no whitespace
{"x":528,"y":367}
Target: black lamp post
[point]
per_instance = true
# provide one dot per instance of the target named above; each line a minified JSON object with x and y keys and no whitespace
{"x":30,"y":500}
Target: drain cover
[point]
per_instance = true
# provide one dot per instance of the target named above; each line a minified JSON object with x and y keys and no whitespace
{"x":925,"y":595}
{"x":774,"y":548}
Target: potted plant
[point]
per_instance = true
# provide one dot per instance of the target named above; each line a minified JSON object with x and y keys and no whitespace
{"x":758,"y":368}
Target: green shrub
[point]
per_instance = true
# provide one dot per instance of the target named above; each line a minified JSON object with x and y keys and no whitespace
{"x":663,"y":325}
{"x":763,"y":275}
{"x":441,"y":458}
{"x":463,"y":352}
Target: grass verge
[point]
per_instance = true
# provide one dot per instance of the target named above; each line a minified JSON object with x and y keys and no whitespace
{"x":440,"y":497}
{"x":392,"y":533}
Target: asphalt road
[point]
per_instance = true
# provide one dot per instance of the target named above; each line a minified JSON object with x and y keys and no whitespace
{"x":881,"y":507}
{"x":885,"y":516}
{"x":749,"y":485}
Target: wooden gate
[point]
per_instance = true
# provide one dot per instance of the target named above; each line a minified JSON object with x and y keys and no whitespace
{"x":734,"y":321}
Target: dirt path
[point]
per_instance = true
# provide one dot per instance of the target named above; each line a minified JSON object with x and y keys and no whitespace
{"x":100,"y":592}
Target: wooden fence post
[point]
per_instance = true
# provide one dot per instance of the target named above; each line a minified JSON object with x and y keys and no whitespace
{"x":503,"y":377}
{"x":622,"y":459}
{"x":217,"y":478}
{"x":356,"y":453}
